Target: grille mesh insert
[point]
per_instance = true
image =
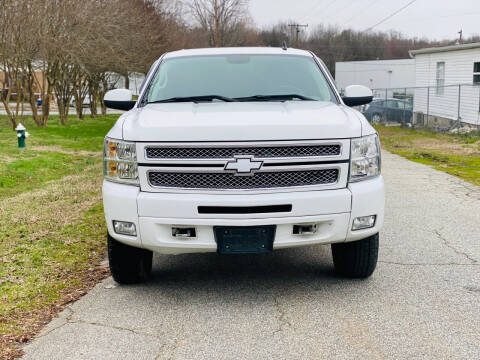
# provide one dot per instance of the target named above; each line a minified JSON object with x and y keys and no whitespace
{"x":230,"y":181}
{"x":229,"y":152}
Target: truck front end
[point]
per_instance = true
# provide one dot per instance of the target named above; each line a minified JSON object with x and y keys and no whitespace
{"x":242,"y":177}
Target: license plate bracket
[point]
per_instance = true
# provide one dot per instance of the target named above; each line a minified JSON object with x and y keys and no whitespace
{"x":244,"y":239}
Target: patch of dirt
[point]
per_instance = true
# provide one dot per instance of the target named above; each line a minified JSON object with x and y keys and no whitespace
{"x":55,"y":205}
{"x":448,"y":147}
{"x":6,"y":159}
{"x":58,"y":149}
{"x":34,"y":321}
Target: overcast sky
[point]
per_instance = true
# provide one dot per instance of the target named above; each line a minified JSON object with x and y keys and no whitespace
{"x":435,"y":19}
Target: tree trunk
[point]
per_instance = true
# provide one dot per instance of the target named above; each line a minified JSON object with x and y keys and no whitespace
{"x":45,"y":96}
{"x":101,"y":92}
{"x":93,"y":105}
{"x":93,"y":90}
{"x":33,"y":102}
{"x":31,"y":95}
{"x":78,"y":103}
{"x":62,"y":110}
{"x":127,"y":81}
{"x":46,"y":106}
{"x":79,"y":109}
{"x":33,"y":105}
{"x":19,"y":97}
{"x":11,"y":117}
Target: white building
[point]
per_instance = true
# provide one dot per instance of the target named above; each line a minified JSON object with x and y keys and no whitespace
{"x":448,"y":84}
{"x":376,"y":74}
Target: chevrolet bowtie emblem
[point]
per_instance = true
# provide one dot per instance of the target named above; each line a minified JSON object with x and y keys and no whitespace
{"x":243,"y":165}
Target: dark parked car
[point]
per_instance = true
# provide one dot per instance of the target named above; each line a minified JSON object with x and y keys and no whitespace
{"x":389,"y":110}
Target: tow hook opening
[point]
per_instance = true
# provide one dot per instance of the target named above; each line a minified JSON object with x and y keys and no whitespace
{"x":184,"y":232}
{"x":305,"y":229}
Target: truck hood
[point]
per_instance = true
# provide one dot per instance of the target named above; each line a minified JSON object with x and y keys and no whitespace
{"x":243,"y":121}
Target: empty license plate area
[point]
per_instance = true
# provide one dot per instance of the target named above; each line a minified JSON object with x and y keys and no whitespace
{"x":244,"y":239}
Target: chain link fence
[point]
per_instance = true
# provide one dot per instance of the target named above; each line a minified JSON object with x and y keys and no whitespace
{"x":454,"y":108}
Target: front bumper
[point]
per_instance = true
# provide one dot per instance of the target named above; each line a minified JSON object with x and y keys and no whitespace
{"x":154,"y":214}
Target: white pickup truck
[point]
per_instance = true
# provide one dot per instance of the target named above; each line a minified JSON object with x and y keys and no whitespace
{"x":241,"y":151}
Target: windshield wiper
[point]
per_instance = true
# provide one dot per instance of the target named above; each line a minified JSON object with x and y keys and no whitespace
{"x":282,"y":97}
{"x":194,"y":99}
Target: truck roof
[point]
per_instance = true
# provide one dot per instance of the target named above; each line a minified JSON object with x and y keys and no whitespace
{"x":237,"y":51}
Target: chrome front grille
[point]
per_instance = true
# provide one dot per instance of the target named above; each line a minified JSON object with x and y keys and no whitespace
{"x":221,"y":180}
{"x":299,"y":151}
{"x":266,"y":166}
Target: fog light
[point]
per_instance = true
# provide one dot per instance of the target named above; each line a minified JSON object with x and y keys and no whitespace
{"x":364,"y":222}
{"x":124,"y":228}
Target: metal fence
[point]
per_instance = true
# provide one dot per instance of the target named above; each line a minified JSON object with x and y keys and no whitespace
{"x":443,"y":108}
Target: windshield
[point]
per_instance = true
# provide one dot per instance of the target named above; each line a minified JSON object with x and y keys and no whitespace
{"x":240,"y":76}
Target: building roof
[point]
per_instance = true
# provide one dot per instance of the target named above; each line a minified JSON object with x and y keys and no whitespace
{"x":432,"y":50}
{"x":237,"y":51}
{"x":379,"y":62}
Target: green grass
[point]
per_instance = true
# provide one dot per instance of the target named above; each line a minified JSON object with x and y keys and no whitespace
{"x":51,"y":153}
{"x":36,"y":271}
{"x":52,"y":230}
{"x":457,"y":155}
{"x":34,"y":169}
{"x":77,"y":135}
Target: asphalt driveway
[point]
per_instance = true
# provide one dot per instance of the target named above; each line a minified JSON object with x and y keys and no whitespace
{"x":423,"y":301}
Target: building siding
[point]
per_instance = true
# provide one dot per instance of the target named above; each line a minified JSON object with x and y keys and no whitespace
{"x":375,"y":74}
{"x":458,"y":70}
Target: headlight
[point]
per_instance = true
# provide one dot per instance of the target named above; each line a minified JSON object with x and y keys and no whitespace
{"x":365,"y":158}
{"x":120,"y":161}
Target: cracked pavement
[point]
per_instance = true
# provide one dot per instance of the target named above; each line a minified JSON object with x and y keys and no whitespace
{"x":422,"y":302}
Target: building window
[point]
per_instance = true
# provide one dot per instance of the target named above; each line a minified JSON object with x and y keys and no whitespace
{"x":476,"y":73}
{"x":440,"y":78}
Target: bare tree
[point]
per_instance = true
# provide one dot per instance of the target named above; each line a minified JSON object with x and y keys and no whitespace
{"x":64,"y":49}
{"x":16,"y":52}
{"x":221,"y":20}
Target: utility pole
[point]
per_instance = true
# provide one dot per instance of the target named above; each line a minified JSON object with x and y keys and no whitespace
{"x":461,"y":35}
{"x":297,"y":30}
{"x":217,"y":25}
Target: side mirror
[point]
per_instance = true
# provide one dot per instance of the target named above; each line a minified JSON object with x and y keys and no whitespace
{"x":356,"y":95}
{"x":119,"y":99}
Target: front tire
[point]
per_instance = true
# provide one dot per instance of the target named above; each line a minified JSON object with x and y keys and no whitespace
{"x":356,"y":259}
{"x":376,"y":118}
{"x":128,"y":264}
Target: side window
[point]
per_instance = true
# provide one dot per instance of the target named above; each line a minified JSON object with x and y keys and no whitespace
{"x":440,"y":78}
{"x":392,"y":104}
{"x":476,"y":73}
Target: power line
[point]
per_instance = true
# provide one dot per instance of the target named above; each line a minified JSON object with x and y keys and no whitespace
{"x":413,"y":20}
{"x":313,"y":13}
{"x":391,"y":15}
{"x":314,"y":8}
{"x":379,"y":47}
{"x":361,"y":11}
